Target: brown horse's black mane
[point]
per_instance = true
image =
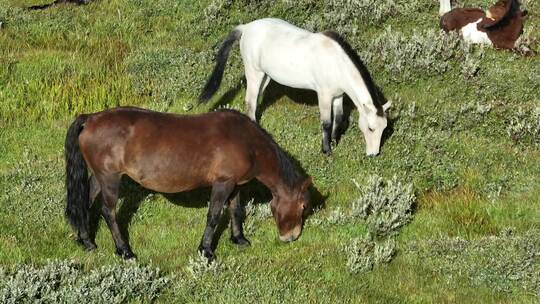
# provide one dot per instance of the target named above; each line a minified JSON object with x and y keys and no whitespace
{"x":289,"y":172}
{"x":360,"y":66}
{"x":512,"y":8}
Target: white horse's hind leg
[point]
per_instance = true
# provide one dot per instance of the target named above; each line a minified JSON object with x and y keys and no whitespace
{"x":325,"y":108}
{"x":265,"y":82}
{"x":445,"y":7}
{"x":254,"y":84}
{"x":337,"y":108}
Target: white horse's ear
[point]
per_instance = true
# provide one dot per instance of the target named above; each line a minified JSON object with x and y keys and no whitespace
{"x":387,"y":105}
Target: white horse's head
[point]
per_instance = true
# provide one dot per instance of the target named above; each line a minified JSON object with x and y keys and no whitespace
{"x":373,"y":125}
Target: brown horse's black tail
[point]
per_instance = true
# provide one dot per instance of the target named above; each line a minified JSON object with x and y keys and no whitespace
{"x":213,"y":83}
{"x":77,"y":183}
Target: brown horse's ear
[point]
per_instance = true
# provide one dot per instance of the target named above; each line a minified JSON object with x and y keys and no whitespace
{"x":306,"y":183}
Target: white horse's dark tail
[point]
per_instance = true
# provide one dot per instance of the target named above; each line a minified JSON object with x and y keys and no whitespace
{"x":213,"y":83}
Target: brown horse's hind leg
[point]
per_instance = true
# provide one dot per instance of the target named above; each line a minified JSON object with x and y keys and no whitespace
{"x":237,"y":219}
{"x":95,"y":189}
{"x":110,"y":186}
{"x":220,"y":194}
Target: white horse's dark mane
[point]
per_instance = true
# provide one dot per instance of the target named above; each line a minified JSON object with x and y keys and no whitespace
{"x":360,"y":66}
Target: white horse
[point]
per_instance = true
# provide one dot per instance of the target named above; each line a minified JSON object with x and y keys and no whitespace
{"x":294,"y":57}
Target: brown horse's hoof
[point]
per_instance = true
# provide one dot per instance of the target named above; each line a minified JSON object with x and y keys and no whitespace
{"x":87,"y":244}
{"x":125,"y":253}
{"x":240,"y":241}
{"x":208,"y":253}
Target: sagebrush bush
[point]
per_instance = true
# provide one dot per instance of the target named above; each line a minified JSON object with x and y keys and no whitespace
{"x":348,"y":17}
{"x":364,"y":253}
{"x":199,"y":266}
{"x":338,"y":14}
{"x":254,"y":214}
{"x":360,"y":255}
{"x":524,"y":126}
{"x":423,"y":54}
{"x":385,"y":206}
{"x":503,"y":263}
{"x":66,"y":282}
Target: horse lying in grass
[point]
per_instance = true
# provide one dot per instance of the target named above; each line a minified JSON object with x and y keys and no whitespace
{"x":500,"y":26}
{"x":294,"y":57}
{"x":57,"y":2}
{"x":173,"y":153}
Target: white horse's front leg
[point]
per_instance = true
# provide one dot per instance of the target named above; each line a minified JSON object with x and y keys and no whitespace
{"x":255,"y":83}
{"x":325,"y":108}
{"x":337,"y":108}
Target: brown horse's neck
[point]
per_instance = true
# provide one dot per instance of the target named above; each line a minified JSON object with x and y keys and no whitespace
{"x":275,"y":171}
{"x":276,"y":185}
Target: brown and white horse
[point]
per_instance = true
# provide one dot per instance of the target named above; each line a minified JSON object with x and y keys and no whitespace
{"x":499,"y":26}
{"x":173,"y":153}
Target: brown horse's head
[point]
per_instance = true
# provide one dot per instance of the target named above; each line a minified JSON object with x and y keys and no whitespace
{"x":289,"y":211}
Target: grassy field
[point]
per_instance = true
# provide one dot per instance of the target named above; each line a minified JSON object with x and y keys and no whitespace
{"x":464,"y":132}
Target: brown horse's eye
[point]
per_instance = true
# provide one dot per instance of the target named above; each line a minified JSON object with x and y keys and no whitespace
{"x":371,"y":130}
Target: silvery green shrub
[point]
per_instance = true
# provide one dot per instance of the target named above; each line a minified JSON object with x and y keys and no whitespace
{"x":66,"y":282}
{"x":254,"y":214}
{"x":524,"y":126}
{"x":385,"y":206}
{"x":338,"y":14}
{"x":337,"y":217}
{"x":199,"y":266}
{"x":384,"y":251}
{"x":347,"y":17}
{"x":360,"y":255}
{"x":364,"y":253}
{"x":422,"y":54}
{"x":502,"y":263}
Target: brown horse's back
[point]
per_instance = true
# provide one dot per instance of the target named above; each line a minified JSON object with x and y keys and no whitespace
{"x":172,"y":153}
{"x":460,"y":17}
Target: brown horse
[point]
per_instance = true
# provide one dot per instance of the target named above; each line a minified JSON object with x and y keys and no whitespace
{"x":173,"y":153}
{"x":500,"y":26}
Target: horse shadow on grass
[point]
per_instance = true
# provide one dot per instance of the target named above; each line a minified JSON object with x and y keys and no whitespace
{"x":133,"y":195}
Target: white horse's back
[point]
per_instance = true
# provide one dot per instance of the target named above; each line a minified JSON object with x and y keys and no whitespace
{"x":290,"y":55}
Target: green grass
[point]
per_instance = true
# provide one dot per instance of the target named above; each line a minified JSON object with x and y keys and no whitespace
{"x":472,"y":157}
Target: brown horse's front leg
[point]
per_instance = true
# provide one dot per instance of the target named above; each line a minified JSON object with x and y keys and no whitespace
{"x":237,"y":219}
{"x":220,"y":194}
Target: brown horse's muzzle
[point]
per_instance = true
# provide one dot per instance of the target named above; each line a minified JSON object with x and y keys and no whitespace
{"x":292,"y":235}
